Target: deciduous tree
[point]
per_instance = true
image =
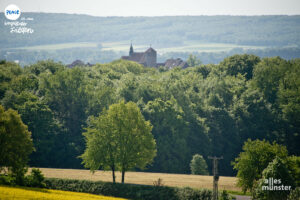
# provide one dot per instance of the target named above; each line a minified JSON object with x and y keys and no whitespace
{"x":254,"y":159}
{"x":15,"y":141}
{"x":119,"y":139}
{"x":198,"y":165}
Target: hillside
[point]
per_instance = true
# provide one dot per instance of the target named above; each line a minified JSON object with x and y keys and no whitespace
{"x":68,"y":37}
{"x":159,"y":31}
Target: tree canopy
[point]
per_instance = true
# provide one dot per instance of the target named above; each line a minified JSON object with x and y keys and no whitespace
{"x":15,"y":141}
{"x":277,"y":175}
{"x":119,"y":139}
{"x":255,"y":157}
{"x":198,"y":165}
{"x":211,"y":109}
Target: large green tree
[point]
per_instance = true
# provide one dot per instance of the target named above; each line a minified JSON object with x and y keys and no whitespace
{"x":289,"y":103}
{"x":41,"y":123}
{"x":277,"y":172}
{"x":255,"y":157}
{"x":65,"y":94}
{"x":193,"y":61}
{"x":15,"y":141}
{"x":243,"y":64}
{"x":8,"y":71}
{"x":170,"y":132}
{"x":119,"y":139}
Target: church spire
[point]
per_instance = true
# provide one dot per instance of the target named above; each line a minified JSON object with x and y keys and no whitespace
{"x":131,"y":50}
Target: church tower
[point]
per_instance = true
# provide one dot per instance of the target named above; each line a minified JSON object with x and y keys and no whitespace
{"x":150,"y":57}
{"x":131,"y":50}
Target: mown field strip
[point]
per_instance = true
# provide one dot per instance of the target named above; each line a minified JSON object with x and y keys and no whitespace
{"x":23,"y":193}
{"x":145,"y":178}
{"x":189,"y":46}
{"x":59,"y":46}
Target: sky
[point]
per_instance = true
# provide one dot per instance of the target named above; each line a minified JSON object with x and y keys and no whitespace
{"x":158,"y":7}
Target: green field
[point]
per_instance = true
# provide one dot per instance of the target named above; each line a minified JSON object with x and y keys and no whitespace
{"x":206,"y":47}
{"x":60,"y":46}
{"x":124,"y":46}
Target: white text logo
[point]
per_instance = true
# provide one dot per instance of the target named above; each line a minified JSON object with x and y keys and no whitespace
{"x":274,"y":185}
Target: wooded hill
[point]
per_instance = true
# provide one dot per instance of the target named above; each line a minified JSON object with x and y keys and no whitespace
{"x":159,"y":31}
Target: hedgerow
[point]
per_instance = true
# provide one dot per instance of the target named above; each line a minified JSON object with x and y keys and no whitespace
{"x":130,"y":191}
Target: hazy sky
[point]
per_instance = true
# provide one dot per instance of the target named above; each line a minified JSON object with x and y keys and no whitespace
{"x":159,"y":7}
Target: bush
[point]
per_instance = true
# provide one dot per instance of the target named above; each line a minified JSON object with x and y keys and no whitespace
{"x":7,"y":179}
{"x":158,"y":183}
{"x":276,"y":170}
{"x":14,"y":178}
{"x":192,"y":194}
{"x":294,"y":194}
{"x":36,"y":179}
{"x":19,"y":176}
{"x":198,"y":165}
{"x":294,"y":167}
{"x":131,"y":191}
{"x":225,"y":196}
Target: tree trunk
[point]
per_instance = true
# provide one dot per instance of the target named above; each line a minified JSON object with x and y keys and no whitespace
{"x":123,"y":175}
{"x":113,"y":174}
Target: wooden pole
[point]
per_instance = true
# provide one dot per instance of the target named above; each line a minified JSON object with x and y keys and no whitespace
{"x":215,"y":175}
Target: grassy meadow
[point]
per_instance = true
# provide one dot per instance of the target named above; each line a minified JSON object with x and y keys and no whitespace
{"x":59,"y":46}
{"x":188,"y":46}
{"x":24,"y":193}
{"x":145,"y":178}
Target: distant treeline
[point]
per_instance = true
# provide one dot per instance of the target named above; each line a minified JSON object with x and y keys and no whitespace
{"x":208,"y":109}
{"x":96,"y":55}
{"x":160,"y":31}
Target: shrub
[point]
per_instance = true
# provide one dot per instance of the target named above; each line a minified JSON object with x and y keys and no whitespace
{"x":14,"y":178}
{"x":19,"y":176}
{"x":198,"y":165}
{"x":225,"y":196}
{"x":276,"y":170}
{"x":294,"y":167}
{"x":158,"y":183}
{"x":192,"y":194}
{"x":131,"y":191}
{"x":36,"y":179}
{"x":294,"y":194}
{"x":7,"y":179}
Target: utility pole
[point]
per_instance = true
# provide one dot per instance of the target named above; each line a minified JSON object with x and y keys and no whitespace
{"x":216,"y":175}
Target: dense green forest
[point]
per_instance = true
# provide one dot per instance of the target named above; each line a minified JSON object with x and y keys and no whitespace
{"x":208,"y":109}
